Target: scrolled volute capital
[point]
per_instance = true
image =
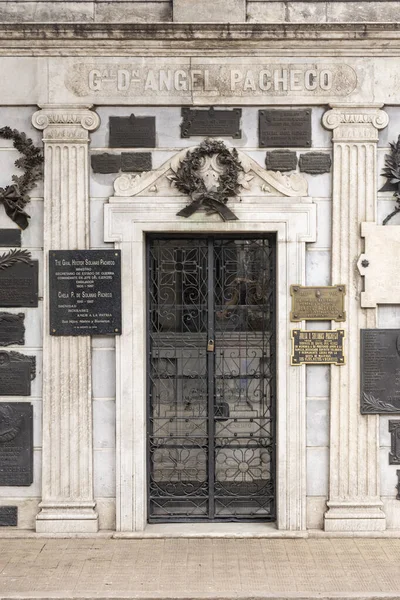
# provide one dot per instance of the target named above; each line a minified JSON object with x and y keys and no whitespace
{"x":357,"y":116}
{"x":66,"y":116}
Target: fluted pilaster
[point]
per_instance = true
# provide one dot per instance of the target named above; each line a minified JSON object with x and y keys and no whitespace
{"x":67,"y":489}
{"x":354,"y":498}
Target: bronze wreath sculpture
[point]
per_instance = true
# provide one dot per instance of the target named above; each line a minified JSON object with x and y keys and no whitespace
{"x":188,"y":181}
{"x":15,"y":196}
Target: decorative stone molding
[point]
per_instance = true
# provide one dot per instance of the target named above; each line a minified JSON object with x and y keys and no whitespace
{"x":253,"y":180}
{"x":67,"y":489}
{"x":127,"y":222}
{"x":378,"y":266}
{"x":354,"y":492}
{"x":352,"y":122}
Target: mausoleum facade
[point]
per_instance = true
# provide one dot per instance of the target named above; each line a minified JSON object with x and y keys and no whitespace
{"x":199,"y":285}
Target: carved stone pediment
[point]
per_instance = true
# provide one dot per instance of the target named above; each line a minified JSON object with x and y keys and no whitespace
{"x":254,"y":180}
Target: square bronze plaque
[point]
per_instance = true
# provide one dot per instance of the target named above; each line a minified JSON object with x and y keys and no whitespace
{"x":8,"y":516}
{"x":284,"y":128}
{"x":317,"y":303}
{"x":317,"y":347}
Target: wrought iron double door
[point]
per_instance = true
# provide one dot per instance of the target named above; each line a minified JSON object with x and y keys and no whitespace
{"x":211,"y":378}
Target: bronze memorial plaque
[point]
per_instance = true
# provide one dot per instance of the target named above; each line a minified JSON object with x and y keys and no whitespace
{"x":316,"y":303}
{"x":85,"y":292}
{"x":16,"y":443}
{"x":18,"y":279}
{"x":317,"y":347}
{"x":284,"y":128}
{"x":380,"y":371}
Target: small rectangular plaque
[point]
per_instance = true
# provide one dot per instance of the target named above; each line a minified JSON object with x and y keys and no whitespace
{"x":132,"y":132}
{"x":317,"y":347}
{"x":18,"y":279}
{"x":380,"y":371}
{"x":12,"y":329}
{"x":284,"y":128}
{"x":85,"y":292}
{"x":16,"y":373}
{"x":394,"y":454}
{"x":212,"y":122}
{"x":136,"y":162}
{"x":10,"y":238}
{"x":16,"y":443}
{"x":105,"y":163}
{"x":315,"y":163}
{"x":8,"y":516}
{"x":281,"y":160}
{"x":313,"y":303}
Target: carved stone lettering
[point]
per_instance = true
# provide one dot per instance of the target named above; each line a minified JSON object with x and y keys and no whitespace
{"x":380,"y":371}
{"x":12,"y":329}
{"x":132,"y":132}
{"x":159,"y":78}
{"x":315,"y":163}
{"x":8,"y":516}
{"x":10,"y":238}
{"x":18,"y":279}
{"x":136,"y":162}
{"x":16,"y":373}
{"x":105,"y":163}
{"x":211,"y":122}
{"x":16,"y":443}
{"x":284,"y":128}
{"x":281,"y":160}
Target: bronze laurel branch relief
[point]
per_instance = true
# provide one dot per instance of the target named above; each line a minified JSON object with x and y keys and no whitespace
{"x":211,"y":195}
{"x":15,"y":196}
{"x":392,"y":173}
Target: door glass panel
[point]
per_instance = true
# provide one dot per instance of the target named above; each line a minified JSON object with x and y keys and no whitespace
{"x":211,"y":408}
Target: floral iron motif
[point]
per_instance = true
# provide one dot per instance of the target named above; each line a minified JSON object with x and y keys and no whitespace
{"x":188,"y":180}
{"x":15,"y":196}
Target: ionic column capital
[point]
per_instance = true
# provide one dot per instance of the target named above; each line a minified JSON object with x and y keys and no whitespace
{"x":66,"y":122}
{"x":355,"y":122}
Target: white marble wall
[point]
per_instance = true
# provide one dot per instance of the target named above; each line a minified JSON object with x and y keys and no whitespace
{"x":103,"y":348}
{"x":187,"y":11}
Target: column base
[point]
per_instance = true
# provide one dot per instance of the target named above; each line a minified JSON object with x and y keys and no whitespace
{"x":351,"y":516}
{"x":67,"y":517}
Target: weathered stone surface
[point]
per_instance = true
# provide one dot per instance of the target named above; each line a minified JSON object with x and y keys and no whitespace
{"x":266,"y":12}
{"x":217,"y":11}
{"x":362,"y":12}
{"x":46,"y":12}
{"x":306,"y":12}
{"x":138,"y":12}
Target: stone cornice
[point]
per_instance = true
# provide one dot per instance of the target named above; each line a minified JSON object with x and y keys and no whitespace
{"x":169,"y":38}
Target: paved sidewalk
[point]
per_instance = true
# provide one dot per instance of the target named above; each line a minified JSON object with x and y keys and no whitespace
{"x":200,"y":568}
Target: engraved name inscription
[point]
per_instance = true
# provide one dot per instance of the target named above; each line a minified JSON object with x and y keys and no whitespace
{"x":141,"y":78}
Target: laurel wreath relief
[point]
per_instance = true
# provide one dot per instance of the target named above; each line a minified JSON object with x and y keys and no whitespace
{"x":188,"y":181}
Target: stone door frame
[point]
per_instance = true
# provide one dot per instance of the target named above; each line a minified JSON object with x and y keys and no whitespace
{"x":127,"y":222}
